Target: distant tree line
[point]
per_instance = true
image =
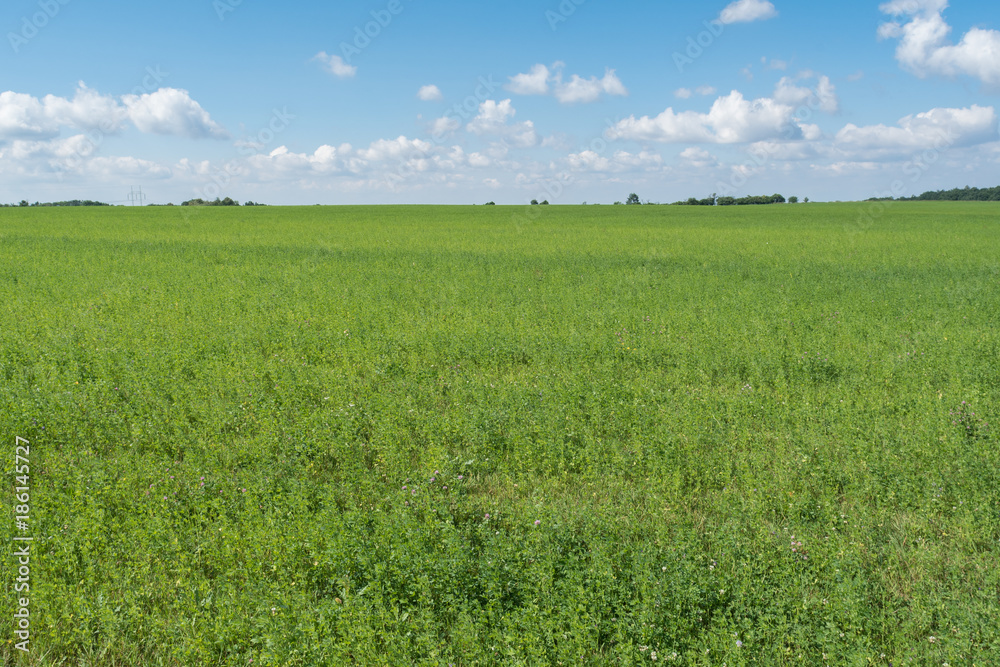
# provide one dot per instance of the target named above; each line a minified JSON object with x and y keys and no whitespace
{"x":714,"y":200}
{"x":217,"y":202}
{"x":74,"y":202}
{"x":753,"y":200}
{"x":955,"y":194}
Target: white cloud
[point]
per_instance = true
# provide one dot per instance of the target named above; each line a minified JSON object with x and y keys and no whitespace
{"x":687,"y":93}
{"x":400,"y":148}
{"x":492,"y":120}
{"x":621,"y":161}
{"x":445,"y":126}
{"x":24,"y":116}
{"x":745,"y":11}
{"x":732,"y":119}
{"x":335,"y":65}
{"x":823,"y":97}
{"x":583,"y":90}
{"x":88,"y":110}
{"x":935,"y":129}
{"x":535,"y":82}
{"x":699,"y":157}
{"x":113,"y":167}
{"x":430,"y":94}
{"x":166,"y":111}
{"x":541,"y":81}
{"x":783,"y":151}
{"x":478,"y":160}
{"x":171,"y":111}
{"x":923,"y":47}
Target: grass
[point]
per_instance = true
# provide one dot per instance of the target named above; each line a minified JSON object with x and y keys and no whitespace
{"x":492,"y":435}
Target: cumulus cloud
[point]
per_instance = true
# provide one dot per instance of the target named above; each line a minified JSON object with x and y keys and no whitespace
{"x":938,"y":128}
{"x":445,"y":126}
{"x":172,"y":111}
{"x":578,"y":89}
{"x":823,"y":97}
{"x":166,"y":111}
{"x":924,"y":49}
{"x":541,"y":80}
{"x":535,"y":82}
{"x":88,"y":110}
{"x":493,"y":120}
{"x":745,"y":11}
{"x":699,"y":157}
{"x":430,"y":93}
{"x":732,"y":119}
{"x":687,"y":93}
{"x":24,"y":116}
{"x":621,"y":161}
{"x":335,"y":65}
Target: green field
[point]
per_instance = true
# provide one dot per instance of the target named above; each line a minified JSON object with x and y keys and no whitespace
{"x":469,"y":436}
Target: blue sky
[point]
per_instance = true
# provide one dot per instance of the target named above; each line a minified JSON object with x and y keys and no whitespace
{"x":572,"y":101}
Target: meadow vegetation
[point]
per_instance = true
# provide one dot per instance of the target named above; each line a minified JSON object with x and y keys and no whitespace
{"x":468,"y":436}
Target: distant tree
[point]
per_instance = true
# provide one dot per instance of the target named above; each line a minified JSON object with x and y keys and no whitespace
{"x":545,"y":202}
{"x":24,"y":202}
{"x":618,"y":203}
{"x":806,"y":200}
{"x":534,"y":202}
{"x":793,"y":200}
{"x":633,"y":200}
{"x":726,"y":201}
{"x":491,"y":203}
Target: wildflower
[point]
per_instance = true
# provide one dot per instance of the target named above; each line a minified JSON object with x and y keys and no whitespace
{"x":538,"y":522}
{"x":739,"y":644}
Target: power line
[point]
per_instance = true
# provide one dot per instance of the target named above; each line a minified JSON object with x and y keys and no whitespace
{"x":134,"y":196}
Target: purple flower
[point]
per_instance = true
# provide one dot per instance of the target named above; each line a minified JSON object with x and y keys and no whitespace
{"x":538,"y":522}
{"x":739,"y":644}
